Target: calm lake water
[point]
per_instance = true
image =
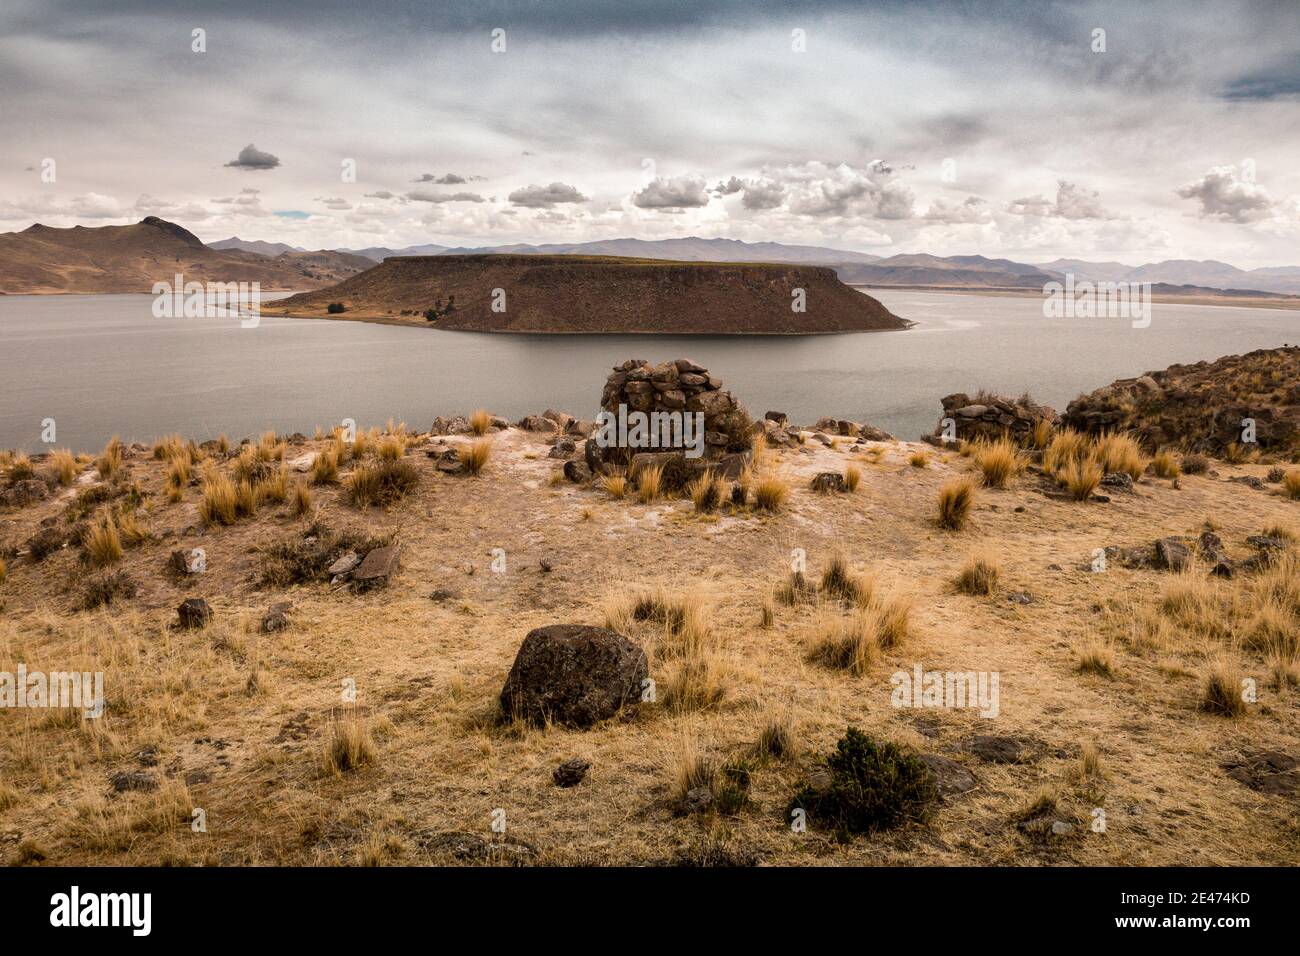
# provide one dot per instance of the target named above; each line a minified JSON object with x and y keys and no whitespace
{"x":100,"y":365}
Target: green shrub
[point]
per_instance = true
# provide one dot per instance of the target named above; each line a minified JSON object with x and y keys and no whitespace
{"x":873,"y":786}
{"x":334,"y":308}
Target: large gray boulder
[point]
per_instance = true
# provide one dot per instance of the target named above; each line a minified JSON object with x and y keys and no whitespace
{"x":574,"y":674}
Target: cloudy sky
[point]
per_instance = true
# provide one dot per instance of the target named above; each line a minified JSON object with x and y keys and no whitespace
{"x":1002,"y":129}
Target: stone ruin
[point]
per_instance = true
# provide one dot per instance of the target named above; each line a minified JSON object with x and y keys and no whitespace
{"x":683,"y":387}
{"x":991,"y":416}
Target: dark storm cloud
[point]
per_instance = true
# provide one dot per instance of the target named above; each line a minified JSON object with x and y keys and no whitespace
{"x":250,"y":157}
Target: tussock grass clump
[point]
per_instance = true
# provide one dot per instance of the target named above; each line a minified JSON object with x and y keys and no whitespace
{"x":129,"y":527}
{"x":480,"y":421}
{"x":275,"y":486}
{"x":770,"y":493}
{"x":1096,"y":656}
{"x":1066,"y":446}
{"x":102,"y":542}
{"x":852,"y":478}
{"x":691,"y":768}
{"x":1291,"y":484}
{"x":777,"y":736}
{"x":325,"y":467}
{"x":998,"y":461}
{"x":64,"y":465}
{"x":350,"y":745}
{"x":220,"y":500}
{"x":20,"y":468}
{"x":1196,"y":603}
{"x":873,"y":785}
{"x":110,"y":459}
{"x":795,"y":589}
{"x":105,"y":590}
{"x":1195,"y":464}
{"x":364,"y":443}
{"x":919,"y":459}
{"x":305,"y":557}
{"x":1041,"y":435}
{"x":300,"y":499}
{"x":1235,"y":453}
{"x":839,"y":581}
{"x":614,"y":485}
{"x":248,"y":499}
{"x":648,"y":481}
{"x":474,"y":456}
{"x":381,"y":483}
{"x":178,"y":478}
{"x":269,"y":448}
{"x":1081,"y":478}
{"x":699,"y":680}
{"x":979,"y":575}
{"x":1165,"y":464}
{"x":1221,"y":690}
{"x":706,"y":492}
{"x":4,"y":570}
{"x":1274,"y":628}
{"x":1120,"y":452}
{"x":849,"y":643}
{"x":388,"y":448}
{"x":956,"y":499}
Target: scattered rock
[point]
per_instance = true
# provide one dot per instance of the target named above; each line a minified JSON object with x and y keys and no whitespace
{"x":129,"y":780}
{"x":563,"y":448}
{"x":950,"y":777}
{"x":780,"y":418}
{"x":1172,"y":554}
{"x":1249,"y":481}
{"x":995,"y":749}
{"x":829,"y":482}
{"x":1020,"y":597}
{"x":379,"y":565}
{"x":576,"y":471}
{"x":193,"y":613}
{"x":1118,"y":479}
{"x":457,"y":425}
{"x":276,"y":617}
{"x":571,"y":772}
{"x":340,"y":569}
{"x":446,"y":460}
{"x":303,"y":463}
{"x":991,"y":416}
{"x":183,"y":562}
{"x":471,"y":846}
{"x":1267,"y":771}
{"x":537,"y":423}
{"x":443,"y":594}
{"x":574,"y":674}
{"x":697,"y":800}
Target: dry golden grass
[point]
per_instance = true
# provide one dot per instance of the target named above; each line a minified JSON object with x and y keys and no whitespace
{"x":1096,"y":656}
{"x":110,"y":459}
{"x":269,"y":448}
{"x":956,"y":498}
{"x":102,"y":542}
{"x":1080,"y":477}
{"x":1291,"y":484}
{"x":979,"y":575}
{"x":325,"y":467}
{"x":614,"y":485}
{"x":1222,"y":690}
{"x":1041,"y":435}
{"x":474,"y":456}
{"x":1118,"y":452}
{"x":350,"y":745}
{"x":1165,"y":464}
{"x":364,"y":443}
{"x":300,"y":499}
{"x":248,"y":498}
{"x":220,"y":500}
{"x":706,"y":492}
{"x":480,"y":421}
{"x":846,"y":642}
{"x":383,"y":482}
{"x":64,"y":466}
{"x":998,"y":461}
{"x":129,"y":528}
{"x":852,"y":478}
{"x":778,"y":735}
{"x":4,"y":570}
{"x":770,"y":492}
{"x":648,"y":481}
{"x":1066,"y":447}
{"x":919,"y":459}
{"x":390,"y":447}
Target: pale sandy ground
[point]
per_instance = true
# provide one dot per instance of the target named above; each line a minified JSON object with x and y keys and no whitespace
{"x":428,"y":675}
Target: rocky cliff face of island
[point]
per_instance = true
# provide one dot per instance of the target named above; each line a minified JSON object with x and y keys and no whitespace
{"x":513,"y":293}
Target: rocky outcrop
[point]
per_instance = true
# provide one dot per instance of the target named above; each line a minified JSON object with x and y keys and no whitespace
{"x":573,"y":674}
{"x":991,"y":416}
{"x":687,"y":389}
{"x":1203,"y":407}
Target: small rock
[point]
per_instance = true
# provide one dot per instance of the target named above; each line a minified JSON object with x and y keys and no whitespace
{"x":276,"y":617}
{"x":344,"y":565}
{"x":697,"y":800}
{"x":379,"y":565}
{"x":1118,"y":479}
{"x":829,"y":482}
{"x":995,"y":749}
{"x":571,"y":772}
{"x":193,"y":613}
{"x":563,"y":448}
{"x":1062,"y":828}
{"x":950,"y":777}
{"x":127,"y":780}
{"x":577,"y":471}
{"x":1020,"y":597}
{"x":443,"y":594}
{"x":1172,"y":554}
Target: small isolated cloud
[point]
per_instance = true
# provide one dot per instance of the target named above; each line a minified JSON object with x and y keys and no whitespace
{"x":544,"y":197}
{"x":1072,"y":202}
{"x":1230,"y":194}
{"x":763,"y":194}
{"x":250,"y":157}
{"x":447,"y":179}
{"x":382,"y":194}
{"x":731,"y":186}
{"x":972,"y":209}
{"x":676,"y":192}
{"x":334,"y":202}
{"x":433,"y":196}
{"x":551,"y":217}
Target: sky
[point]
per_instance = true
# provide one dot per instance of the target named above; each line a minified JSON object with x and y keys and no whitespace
{"x":1104,"y":131}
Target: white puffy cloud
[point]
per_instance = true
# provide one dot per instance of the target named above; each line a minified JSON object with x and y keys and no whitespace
{"x":544,"y":197}
{"x":675,"y":192}
{"x":1230,"y":193}
{"x":1072,"y":202}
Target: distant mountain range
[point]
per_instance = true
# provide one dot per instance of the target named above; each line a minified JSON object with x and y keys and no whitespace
{"x":130,"y":258}
{"x":916,"y":269}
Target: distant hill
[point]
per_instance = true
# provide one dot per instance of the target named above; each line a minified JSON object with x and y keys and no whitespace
{"x":380,"y":253}
{"x":570,"y":293}
{"x":255,"y":245}
{"x":1208,"y":274}
{"x":43,"y":259}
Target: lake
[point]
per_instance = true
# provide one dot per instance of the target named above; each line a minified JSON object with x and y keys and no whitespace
{"x":103,"y":365}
